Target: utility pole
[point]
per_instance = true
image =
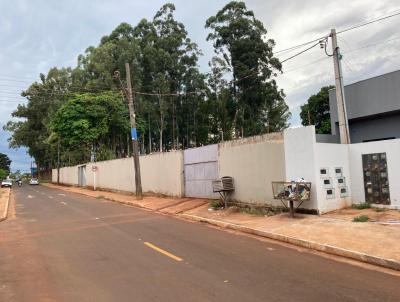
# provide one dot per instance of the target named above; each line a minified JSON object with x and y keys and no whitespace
{"x":135,"y":147}
{"x":340,"y":95}
{"x":58,"y":161}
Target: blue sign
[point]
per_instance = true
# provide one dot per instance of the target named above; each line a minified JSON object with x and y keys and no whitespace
{"x":134,"y":134}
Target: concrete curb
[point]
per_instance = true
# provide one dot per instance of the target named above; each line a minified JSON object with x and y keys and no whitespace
{"x":329,"y":249}
{"x":5,"y":213}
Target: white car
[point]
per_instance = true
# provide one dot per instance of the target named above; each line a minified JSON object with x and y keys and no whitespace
{"x":34,"y":181}
{"x":6,"y":183}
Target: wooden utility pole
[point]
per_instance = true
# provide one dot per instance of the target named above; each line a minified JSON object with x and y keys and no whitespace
{"x":340,"y":96}
{"x":135,"y":147}
{"x":58,"y":162}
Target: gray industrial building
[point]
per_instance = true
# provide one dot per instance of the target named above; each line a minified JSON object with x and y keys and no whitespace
{"x":373,"y":108}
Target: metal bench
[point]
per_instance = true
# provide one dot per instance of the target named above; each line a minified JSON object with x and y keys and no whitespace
{"x":224,"y":187}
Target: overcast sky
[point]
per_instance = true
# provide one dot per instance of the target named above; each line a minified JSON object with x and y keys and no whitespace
{"x":36,"y":35}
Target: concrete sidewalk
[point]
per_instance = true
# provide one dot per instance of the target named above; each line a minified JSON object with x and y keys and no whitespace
{"x":4,"y":201}
{"x":367,"y":242}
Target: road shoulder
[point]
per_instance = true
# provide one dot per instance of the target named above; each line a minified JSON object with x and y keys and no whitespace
{"x":4,"y":202}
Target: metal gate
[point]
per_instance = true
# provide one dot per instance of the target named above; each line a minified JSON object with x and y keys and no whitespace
{"x":82,"y":176}
{"x":376,"y":179}
{"x":201,"y":168}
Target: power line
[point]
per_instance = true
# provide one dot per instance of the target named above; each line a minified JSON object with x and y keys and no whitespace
{"x":299,"y":53}
{"x":299,"y":45}
{"x":12,"y":101}
{"x":371,"y":45}
{"x":341,"y":31}
{"x":367,"y":23}
{"x":302,"y":66}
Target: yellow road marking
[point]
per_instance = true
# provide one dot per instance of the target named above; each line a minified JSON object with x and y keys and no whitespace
{"x":168,"y":254}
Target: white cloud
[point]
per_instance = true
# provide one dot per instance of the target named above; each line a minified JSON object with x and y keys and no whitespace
{"x":35,"y":36}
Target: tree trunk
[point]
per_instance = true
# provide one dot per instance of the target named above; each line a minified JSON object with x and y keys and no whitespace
{"x":149,"y":134}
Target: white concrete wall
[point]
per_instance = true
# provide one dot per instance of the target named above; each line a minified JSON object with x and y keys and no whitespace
{"x":54,"y":175}
{"x":392,"y":149}
{"x":253,"y":163}
{"x":161,"y":173}
{"x":300,"y":159}
{"x":68,"y":175}
{"x":332,"y":156}
{"x":304,"y":158}
{"x":117,"y":174}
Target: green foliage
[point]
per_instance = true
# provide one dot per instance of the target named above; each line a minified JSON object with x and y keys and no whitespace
{"x":317,"y":110}
{"x":5,"y":162}
{"x":32,"y":127}
{"x":215,"y":204}
{"x":16,"y":175}
{"x":361,"y":218}
{"x":3,"y":173}
{"x":361,"y":206}
{"x":77,"y":110}
{"x":240,"y":41}
{"x":88,"y":120}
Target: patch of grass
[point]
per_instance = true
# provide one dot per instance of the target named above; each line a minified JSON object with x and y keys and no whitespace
{"x":361,"y":218}
{"x":215,"y":204}
{"x":361,"y":206}
{"x":100,"y":197}
{"x":378,"y":210}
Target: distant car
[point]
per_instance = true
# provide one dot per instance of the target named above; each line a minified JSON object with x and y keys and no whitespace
{"x":34,"y":181}
{"x":6,"y":183}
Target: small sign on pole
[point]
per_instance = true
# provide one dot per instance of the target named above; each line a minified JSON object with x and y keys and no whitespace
{"x":134,"y":134}
{"x":94,"y":169}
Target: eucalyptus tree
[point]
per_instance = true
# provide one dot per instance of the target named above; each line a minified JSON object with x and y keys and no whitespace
{"x":240,"y":40}
{"x":31,"y":127}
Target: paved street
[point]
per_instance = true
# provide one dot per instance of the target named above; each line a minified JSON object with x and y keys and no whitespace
{"x":61,"y":246}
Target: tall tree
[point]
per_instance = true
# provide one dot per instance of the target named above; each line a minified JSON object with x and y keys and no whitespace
{"x":5,"y":162}
{"x":32,"y":128}
{"x":169,"y":66}
{"x":240,"y":39}
{"x":316,"y":111}
{"x":88,"y":121}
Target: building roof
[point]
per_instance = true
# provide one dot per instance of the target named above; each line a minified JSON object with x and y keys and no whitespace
{"x":374,"y":96}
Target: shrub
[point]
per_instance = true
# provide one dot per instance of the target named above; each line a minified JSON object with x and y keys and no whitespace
{"x":215,"y":204}
{"x":361,"y":206}
{"x":361,"y":218}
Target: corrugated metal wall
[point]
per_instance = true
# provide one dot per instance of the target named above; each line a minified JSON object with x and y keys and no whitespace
{"x":201,"y":168}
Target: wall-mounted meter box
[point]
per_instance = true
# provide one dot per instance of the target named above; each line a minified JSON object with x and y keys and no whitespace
{"x":339,"y":172}
{"x":344,"y":192}
{"x":327,"y":182}
{"x":341,"y":181}
{"x":324,"y":172}
{"x":330,"y":193}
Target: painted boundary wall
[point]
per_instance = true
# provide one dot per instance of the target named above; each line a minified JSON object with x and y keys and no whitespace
{"x":162,"y":173}
{"x":68,"y":175}
{"x":304,"y":157}
{"x":253,"y":163}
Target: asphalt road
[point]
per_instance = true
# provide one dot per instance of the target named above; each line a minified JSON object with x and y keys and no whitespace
{"x":62,"y":246}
